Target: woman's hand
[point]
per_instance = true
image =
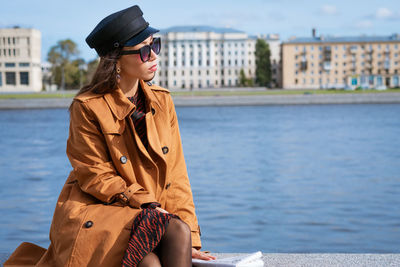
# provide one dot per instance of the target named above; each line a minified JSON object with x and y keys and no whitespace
{"x":197,"y":254}
{"x":161,"y":210}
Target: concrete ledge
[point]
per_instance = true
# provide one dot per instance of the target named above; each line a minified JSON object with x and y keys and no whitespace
{"x":283,"y":259}
{"x":348,"y":98}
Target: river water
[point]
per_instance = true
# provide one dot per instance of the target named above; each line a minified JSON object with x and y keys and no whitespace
{"x":305,"y":178}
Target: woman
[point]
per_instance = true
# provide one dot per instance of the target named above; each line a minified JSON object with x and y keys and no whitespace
{"x":128,"y":165}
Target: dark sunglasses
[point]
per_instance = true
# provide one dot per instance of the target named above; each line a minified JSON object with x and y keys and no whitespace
{"x":145,"y":51}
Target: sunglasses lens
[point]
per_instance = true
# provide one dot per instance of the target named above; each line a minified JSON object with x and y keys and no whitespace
{"x":156,"y":46}
{"x":145,"y":53}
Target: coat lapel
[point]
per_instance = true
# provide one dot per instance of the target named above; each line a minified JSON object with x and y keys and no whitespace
{"x":119,"y":104}
{"x":152,"y":132}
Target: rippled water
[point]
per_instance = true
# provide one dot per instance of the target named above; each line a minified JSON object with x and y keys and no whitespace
{"x":315,"y":178}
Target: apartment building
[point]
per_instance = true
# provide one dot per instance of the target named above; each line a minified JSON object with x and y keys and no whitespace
{"x":20,"y":69}
{"x":341,"y":62}
{"x":194,"y":57}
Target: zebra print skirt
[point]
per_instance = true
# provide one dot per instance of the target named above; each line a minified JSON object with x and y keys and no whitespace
{"x":147,"y":230}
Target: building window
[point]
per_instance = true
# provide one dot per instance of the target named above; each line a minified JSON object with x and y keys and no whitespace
{"x":10,"y":78}
{"x":24,"y":64}
{"x":24,"y":78}
{"x":1,"y":79}
{"x":9,"y":65}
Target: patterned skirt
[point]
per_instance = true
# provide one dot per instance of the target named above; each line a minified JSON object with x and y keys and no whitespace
{"x":147,"y":230}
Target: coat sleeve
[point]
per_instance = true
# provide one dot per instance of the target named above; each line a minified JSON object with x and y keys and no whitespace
{"x":92,"y":164}
{"x":182,"y":197}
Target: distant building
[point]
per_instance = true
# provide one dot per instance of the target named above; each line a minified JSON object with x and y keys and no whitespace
{"x":274,"y":44}
{"x":20,"y":69}
{"x":341,"y":62}
{"x":204,"y":57}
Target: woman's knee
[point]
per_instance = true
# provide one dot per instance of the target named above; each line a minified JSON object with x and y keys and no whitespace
{"x":150,"y":260}
{"x":180,"y":227}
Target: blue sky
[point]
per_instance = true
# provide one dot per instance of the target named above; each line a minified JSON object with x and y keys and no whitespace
{"x":75,"y":19}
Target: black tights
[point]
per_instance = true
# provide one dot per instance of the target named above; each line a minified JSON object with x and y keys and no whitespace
{"x":175,"y":248}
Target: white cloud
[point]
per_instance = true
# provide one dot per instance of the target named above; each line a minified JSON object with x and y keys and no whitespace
{"x":329,"y":10}
{"x":384,"y":13}
{"x":364,"y":24}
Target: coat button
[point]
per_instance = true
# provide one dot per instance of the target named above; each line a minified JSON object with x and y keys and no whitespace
{"x":168,"y":185}
{"x":123,"y":159}
{"x":165,"y":150}
{"x":153,"y":111}
{"x":88,"y":224}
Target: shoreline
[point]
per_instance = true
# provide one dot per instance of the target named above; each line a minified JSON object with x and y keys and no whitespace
{"x":236,"y":100}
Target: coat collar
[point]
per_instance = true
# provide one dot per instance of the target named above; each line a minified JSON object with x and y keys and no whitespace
{"x":120,"y":104}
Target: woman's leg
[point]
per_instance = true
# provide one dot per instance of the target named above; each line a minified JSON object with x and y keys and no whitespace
{"x":150,"y":260}
{"x":176,"y":245}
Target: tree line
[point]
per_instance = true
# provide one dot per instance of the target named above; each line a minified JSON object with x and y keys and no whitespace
{"x":70,"y":71}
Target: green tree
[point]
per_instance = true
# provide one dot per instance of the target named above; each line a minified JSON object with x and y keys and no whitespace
{"x":243,"y":80}
{"x":61,"y":56}
{"x":263,"y":63}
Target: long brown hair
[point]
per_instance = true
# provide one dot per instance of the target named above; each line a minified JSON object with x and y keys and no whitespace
{"x":105,"y":77}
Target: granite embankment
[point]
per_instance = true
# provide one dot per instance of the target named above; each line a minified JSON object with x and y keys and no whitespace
{"x":311,"y":260}
{"x":242,"y":100}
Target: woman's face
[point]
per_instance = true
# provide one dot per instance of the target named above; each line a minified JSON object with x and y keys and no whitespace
{"x":133,"y":67}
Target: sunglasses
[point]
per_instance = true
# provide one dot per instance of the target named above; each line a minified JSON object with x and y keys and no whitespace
{"x":145,"y":51}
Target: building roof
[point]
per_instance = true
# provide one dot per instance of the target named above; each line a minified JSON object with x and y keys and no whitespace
{"x":349,"y":39}
{"x":199,"y":28}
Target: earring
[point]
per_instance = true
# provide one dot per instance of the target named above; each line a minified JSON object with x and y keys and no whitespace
{"x":118,"y":76}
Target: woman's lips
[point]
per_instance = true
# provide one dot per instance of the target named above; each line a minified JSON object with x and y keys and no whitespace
{"x":153,"y":68}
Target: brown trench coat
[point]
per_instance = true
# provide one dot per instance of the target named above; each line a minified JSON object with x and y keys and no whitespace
{"x":108,"y":158}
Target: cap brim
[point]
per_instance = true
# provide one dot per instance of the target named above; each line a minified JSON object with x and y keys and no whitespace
{"x":140,"y":37}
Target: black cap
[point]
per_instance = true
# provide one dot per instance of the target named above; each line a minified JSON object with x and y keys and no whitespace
{"x":117,"y":29}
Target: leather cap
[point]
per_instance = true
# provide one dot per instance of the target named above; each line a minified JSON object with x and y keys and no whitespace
{"x":116,"y":29}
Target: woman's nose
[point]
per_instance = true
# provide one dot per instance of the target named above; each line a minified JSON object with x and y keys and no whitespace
{"x":153,"y":55}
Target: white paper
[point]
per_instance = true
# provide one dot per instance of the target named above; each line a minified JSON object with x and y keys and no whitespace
{"x":247,"y":260}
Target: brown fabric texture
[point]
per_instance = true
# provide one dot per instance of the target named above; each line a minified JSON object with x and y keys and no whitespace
{"x":89,"y":227}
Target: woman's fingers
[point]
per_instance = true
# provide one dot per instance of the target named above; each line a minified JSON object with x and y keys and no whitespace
{"x":197,"y":254}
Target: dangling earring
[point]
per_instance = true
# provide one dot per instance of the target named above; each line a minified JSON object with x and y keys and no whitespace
{"x":118,"y":76}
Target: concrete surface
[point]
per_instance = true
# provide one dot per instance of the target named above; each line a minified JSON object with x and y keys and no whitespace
{"x":286,"y":259}
{"x":283,"y":259}
{"x":368,"y":98}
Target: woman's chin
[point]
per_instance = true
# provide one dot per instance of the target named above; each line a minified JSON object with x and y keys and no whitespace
{"x":149,"y":77}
